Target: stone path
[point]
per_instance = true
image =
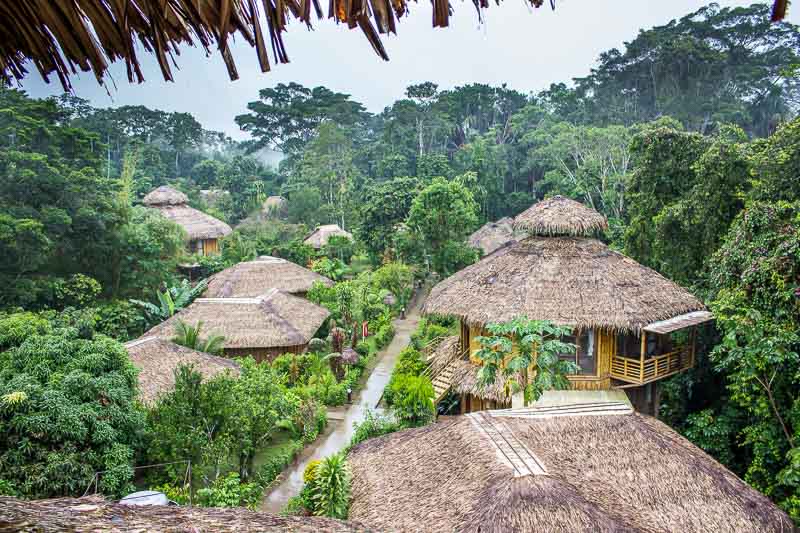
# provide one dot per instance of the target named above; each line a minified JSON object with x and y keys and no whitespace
{"x":345,"y":418}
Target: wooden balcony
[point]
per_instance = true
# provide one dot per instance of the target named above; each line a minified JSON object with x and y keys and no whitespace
{"x":651,"y":369}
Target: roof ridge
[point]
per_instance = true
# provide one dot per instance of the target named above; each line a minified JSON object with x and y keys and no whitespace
{"x":141,"y":340}
{"x":577,"y":409}
{"x":509,"y":449}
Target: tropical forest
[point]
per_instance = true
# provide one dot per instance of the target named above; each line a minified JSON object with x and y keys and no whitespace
{"x":478,"y":306}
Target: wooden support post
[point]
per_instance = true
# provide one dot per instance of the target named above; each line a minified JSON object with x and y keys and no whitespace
{"x":641,"y":355}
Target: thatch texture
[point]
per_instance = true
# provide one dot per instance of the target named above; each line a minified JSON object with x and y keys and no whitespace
{"x":165,"y":195}
{"x":322,"y":234}
{"x":254,"y":278}
{"x":172,"y":205}
{"x":571,"y":281}
{"x":275,"y":319}
{"x":65,"y":36}
{"x":158,"y":359}
{"x":93,"y":514}
{"x":611,"y":472}
{"x":561,"y":216}
{"x":492,"y":235}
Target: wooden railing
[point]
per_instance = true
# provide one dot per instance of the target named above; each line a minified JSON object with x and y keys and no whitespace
{"x":654,"y":368}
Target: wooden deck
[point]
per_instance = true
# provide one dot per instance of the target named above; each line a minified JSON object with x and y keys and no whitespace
{"x":634,"y":371}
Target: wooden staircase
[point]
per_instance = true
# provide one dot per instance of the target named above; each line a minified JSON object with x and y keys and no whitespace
{"x":442,"y":381}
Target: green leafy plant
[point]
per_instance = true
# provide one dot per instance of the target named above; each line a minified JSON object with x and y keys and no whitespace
{"x":331,"y":487}
{"x":172,"y":300}
{"x":412,"y":399}
{"x":189,"y":336}
{"x":534,"y":366}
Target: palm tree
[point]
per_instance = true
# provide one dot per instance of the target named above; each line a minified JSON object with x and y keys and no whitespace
{"x":189,"y":336}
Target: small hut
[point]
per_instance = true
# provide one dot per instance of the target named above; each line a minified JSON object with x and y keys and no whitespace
{"x":94,"y":513}
{"x":492,"y":235}
{"x":584,"y":467}
{"x":250,"y":279}
{"x":632,"y":327}
{"x":322,"y":234}
{"x":264,"y":327}
{"x":275,"y":207}
{"x":157,"y":359}
{"x":202,"y":230}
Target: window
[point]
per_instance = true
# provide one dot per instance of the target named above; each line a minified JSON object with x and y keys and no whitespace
{"x":628,"y":346}
{"x":585,"y":353}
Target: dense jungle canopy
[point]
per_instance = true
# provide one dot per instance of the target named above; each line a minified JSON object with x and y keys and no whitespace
{"x":687,"y":140}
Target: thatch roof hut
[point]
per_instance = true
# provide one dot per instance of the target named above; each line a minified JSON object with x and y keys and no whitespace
{"x":493,"y":235}
{"x":561,"y":273}
{"x":265,"y":326}
{"x":93,"y":514}
{"x":551,"y":469}
{"x":322,"y":234}
{"x":202,"y":230}
{"x":250,"y":279}
{"x":157,"y":359}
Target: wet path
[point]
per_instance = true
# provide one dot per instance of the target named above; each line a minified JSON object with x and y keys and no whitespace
{"x":292,"y":478}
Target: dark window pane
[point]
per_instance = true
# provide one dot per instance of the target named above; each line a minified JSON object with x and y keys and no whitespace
{"x":586,"y":353}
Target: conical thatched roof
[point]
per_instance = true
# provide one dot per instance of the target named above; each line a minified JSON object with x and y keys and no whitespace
{"x":561,"y":216}
{"x":570,"y":280}
{"x":586,"y":467}
{"x":172,"y":204}
{"x":273,"y":320}
{"x":165,"y":195}
{"x":157,"y":359}
{"x":94,"y":514}
{"x":275,"y":206}
{"x":492,"y":235}
{"x":253,"y":278}
{"x":322,"y":234}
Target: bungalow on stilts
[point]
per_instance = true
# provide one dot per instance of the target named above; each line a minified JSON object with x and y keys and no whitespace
{"x":632,"y":326}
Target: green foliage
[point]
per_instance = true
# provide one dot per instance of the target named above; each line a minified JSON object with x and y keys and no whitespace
{"x":386,"y":205}
{"x":373,"y":425}
{"x":412,"y":399}
{"x":331,"y":487}
{"x":172,"y":300}
{"x":189,"y":336}
{"x":441,"y":216}
{"x":713,"y":433}
{"x":330,"y":268}
{"x":17,"y":327}
{"x":754,"y":275}
{"x":219,"y":423}
{"x":67,"y":410}
{"x":409,"y":363}
{"x":525,"y":353}
{"x":229,"y":491}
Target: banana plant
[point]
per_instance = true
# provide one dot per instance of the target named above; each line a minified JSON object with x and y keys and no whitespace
{"x":171,"y":300}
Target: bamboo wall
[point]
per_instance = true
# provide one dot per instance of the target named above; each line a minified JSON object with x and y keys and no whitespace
{"x":606,"y":347}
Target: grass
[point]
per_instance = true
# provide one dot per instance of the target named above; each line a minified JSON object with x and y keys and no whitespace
{"x":279,"y":444}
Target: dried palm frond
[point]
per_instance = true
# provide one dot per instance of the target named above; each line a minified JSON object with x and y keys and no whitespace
{"x":64,"y":36}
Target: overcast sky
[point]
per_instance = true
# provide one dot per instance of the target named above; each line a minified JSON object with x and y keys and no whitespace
{"x":527,"y":49}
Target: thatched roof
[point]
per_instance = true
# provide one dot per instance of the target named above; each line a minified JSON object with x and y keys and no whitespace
{"x":577,"y":469}
{"x":572,"y":281}
{"x":322,"y":234}
{"x":492,"y":235}
{"x":172,"y":204}
{"x":561,"y":216}
{"x":275,"y":319}
{"x":165,"y":195}
{"x":157,"y":359}
{"x":93,"y":514}
{"x":253,"y":278}
{"x":65,"y":36}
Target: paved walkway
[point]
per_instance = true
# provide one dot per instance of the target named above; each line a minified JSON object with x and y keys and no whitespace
{"x":344,"y":419}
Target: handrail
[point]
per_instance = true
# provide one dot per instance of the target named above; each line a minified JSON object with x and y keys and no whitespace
{"x":652,"y":368}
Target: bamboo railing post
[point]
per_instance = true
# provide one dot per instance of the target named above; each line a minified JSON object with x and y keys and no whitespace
{"x":641,"y":355}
